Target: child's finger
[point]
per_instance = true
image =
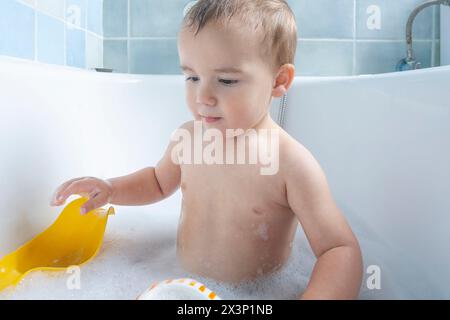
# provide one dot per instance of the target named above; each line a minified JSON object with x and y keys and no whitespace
{"x":80,"y":187}
{"x":57,"y":194}
{"x":94,"y":202}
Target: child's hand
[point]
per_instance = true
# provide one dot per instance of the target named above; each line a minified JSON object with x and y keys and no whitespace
{"x":97,"y":190}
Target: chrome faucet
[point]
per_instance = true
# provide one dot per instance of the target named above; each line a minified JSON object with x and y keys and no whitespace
{"x":410,"y":63}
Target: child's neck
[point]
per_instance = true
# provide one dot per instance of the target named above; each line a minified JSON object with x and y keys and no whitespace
{"x":266,"y":122}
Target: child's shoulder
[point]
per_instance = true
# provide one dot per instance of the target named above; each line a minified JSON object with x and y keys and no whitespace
{"x":292,"y":149}
{"x":296,"y":160}
{"x":188,"y":125}
{"x":186,"y":128}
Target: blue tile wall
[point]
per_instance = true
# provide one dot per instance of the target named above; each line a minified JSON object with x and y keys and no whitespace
{"x":115,"y":17}
{"x":64,"y":32}
{"x":75,"y":47}
{"x":16,"y":30}
{"x":116,"y":55}
{"x":383,"y":52}
{"x":76,"y":13}
{"x":324,"y":57}
{"x":94,"y":18}
{"x":156,"y":56}
{"x":336,"y":37}
{"x":377,"y":32}
{"x":155,"y":18}
{"x":54,"y":8}
{"x":324,"y":18}
{"x":50,"y":39}
{"x":393,"y":24}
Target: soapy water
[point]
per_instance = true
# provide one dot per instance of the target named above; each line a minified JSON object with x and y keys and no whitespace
{"x":136,"y":255}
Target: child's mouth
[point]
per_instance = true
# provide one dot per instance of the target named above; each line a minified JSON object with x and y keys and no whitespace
{"x":211,"y":119}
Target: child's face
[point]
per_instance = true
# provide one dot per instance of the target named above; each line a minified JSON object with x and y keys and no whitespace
{"x":225,"y":99}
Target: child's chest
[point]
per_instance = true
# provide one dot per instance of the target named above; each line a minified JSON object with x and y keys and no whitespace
{"x":226,"y":193}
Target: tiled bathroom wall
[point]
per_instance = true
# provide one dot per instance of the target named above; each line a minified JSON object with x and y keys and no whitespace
{"x":336,"y":37}
{"x":343,"y":37}
{"x":445,"y":36}
{"x":140,"y":35}
{"x":65,"y":32}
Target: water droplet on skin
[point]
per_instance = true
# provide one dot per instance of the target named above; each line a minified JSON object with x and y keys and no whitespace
{"x":276,"y":267}
{"x":259,"y":271}
{"x":262,"y":231}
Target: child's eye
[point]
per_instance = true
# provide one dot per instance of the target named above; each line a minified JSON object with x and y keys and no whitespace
{"x":193,"y":79}
{"x":228,"y":82}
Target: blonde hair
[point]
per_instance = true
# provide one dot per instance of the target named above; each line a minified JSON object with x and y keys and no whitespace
{"x":273,"y":19}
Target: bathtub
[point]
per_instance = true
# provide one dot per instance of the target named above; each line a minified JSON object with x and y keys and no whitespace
{"x":383,"y":141}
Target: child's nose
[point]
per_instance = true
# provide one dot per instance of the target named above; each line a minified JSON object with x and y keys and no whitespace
{"x":205,"y":96}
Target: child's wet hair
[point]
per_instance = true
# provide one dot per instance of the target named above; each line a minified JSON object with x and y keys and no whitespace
{"x":273,"y":20}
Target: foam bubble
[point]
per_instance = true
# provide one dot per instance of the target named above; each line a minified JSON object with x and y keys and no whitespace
{"x":140,"y":250}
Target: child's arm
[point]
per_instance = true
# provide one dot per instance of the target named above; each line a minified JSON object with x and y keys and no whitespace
{"x":337,"y":273}
{"x":145,"y":186}
{"x":148,"y":185}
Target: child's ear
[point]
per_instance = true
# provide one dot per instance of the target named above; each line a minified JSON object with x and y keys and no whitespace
{"x":284,"y":79}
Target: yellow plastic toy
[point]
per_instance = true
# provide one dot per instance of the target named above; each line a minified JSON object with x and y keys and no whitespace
{"x":73,"y":239}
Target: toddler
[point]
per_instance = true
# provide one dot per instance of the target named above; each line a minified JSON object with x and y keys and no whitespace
{"x":246,"y":184}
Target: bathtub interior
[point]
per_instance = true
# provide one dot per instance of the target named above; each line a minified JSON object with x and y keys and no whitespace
{"x":384,"y":143}
{"x":59,"y":123}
